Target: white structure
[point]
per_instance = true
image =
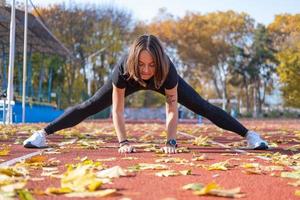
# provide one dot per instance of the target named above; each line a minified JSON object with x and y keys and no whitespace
{"x":10,"y":85}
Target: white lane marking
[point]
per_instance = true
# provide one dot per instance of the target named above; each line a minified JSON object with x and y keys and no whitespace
{"x":223,"y":145}
{"x":214,"y":142}
{"x":21,"y":158}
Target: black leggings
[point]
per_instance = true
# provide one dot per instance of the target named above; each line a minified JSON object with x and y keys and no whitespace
{"x":187,"y":97}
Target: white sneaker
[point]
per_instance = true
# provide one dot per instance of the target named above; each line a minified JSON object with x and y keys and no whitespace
{"x":36,"y":140}
{"x":255,"y":142}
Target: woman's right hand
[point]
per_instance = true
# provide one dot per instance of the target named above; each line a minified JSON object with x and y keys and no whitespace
{"x":126,"y":148}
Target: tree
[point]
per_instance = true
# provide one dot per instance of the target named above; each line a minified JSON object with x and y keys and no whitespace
{"x":286,"y":40}
{"x":85,"y":30}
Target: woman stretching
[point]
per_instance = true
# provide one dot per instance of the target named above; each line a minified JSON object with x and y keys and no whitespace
{"x":146,"y":67}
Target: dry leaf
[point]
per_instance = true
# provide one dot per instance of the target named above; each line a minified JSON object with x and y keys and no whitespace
{"x":113,"y":172}
{"x":167,"y":173}
{"x":53,"y":190}
{"x":293,"y":174}
{"x":186,"y":172}
{"x":219,"y":166}
{"x":4,"y":152}
{"x":24,"y":195}
{"x":193,"y":186}
{"x":216,"y":190}
{"x":202,"y":141}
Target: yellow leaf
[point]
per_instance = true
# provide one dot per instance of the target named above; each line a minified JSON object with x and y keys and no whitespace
{"x":24,"y":195}
{"x":250,"y":165}
{"x":79,"y":178}
{"x":9,"y":171}
{"x":216,"y":190}
{"x":297,"y":193}
{"x":36,"y":159}
{"x":219,"y":166}
{"x":4,"y":152}
{"x":171,"y":160}
{"x":94,"y":185}
{"x":53,"y":190}
{"x":202,"y":141}
{"x":206,"y":189}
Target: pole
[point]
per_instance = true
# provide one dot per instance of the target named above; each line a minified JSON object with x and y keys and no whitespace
{"x":10,"y":87}
{"x":24,"y":62}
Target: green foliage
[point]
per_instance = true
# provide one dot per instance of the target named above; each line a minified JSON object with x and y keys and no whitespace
{"x":289,"y":73}
{"x":85,"y":30}
{"x":286,"y":39}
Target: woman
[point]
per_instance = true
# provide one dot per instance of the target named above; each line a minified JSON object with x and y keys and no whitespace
{"x":146,"y":67}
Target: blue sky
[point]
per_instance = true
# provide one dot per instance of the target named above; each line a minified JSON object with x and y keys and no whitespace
{"x":262,"y":11}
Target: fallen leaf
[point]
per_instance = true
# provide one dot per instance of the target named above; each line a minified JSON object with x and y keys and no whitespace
{"x":293,"y":174}
{"x":53,"y":190}
{"x":113,"y":172}
{"x":219,"y":166}
{"x":202,"y":141}
{"x":4,"y":152}
{"x":13,"y":187}
{"x":167,"y":173}
{"x":171,"y":160}
{"x":186,"y":172}
{"x":146,"y":166}
{"x":36,"y":159}
{"x":216,"y":190}
{"x":193,"y":186}
{"x":250,"y":165}
{"x":200,"y":158}
{"x":24,"y":195}
{"x":183,"y":150}
{"x":80,"y":178}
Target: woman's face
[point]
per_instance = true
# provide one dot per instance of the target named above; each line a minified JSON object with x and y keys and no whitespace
{"x":146,"y":65}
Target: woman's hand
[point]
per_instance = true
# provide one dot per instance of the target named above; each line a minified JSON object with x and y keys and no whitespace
{"x":126,"y":148}
{"x":168,"y":149}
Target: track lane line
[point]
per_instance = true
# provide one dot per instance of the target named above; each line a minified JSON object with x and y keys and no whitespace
{"x":21,"y":158}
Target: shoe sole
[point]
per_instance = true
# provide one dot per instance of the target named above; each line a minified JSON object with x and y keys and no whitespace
{"x":31,"y":146}
{"x":262,"y":146}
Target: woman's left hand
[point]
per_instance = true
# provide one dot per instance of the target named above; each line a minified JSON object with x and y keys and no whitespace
{"x":168,"y":149}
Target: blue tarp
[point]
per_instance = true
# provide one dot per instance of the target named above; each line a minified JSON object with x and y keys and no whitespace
{"x":34,"y":113}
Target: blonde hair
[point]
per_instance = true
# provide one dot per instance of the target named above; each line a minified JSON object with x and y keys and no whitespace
{"x":155,"y":48}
